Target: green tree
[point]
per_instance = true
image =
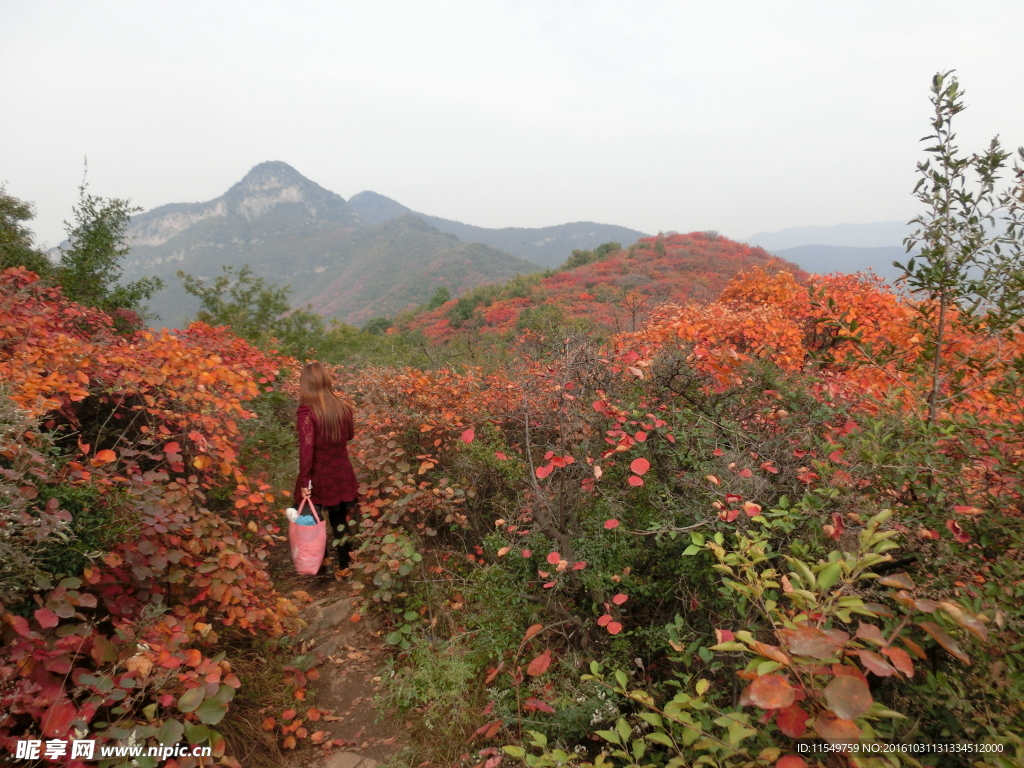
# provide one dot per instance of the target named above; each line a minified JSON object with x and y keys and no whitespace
{"x":90,"y":266}
{"x":581,"y":258}
{"x":971,"y":237}
{"x":441,"y":296}
{"x":256,"y":310}
{"x":17,"y":248}
{"x":543,"y":319}
{"x":377,"y":326}
{"x":463,"y":310}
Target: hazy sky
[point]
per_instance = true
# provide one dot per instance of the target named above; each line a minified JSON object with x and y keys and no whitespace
{"x":735,"y":116}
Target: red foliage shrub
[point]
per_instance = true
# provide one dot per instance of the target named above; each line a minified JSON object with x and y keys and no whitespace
{"x":129,"y":640}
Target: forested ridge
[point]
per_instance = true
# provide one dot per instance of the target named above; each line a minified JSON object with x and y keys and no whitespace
{"x":609,"y":289}
{"x":675,"y":504}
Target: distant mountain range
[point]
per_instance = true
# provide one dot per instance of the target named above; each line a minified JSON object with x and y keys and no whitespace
{"x":368,"y":257}
{"x":823,"y":259}
{"x":546,"y":246}
{"x":840,"y":248}
{"x":371,"y":256}
{"x":382,"y":270}
{"x":874,"y":235}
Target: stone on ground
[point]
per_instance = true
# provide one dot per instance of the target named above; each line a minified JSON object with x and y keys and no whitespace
{"x":349,"y":760}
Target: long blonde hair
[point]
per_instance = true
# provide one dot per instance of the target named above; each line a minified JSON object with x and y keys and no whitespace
{"x":316,"y":391}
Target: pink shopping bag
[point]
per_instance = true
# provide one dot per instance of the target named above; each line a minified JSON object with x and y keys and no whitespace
{"x":308,"y":542}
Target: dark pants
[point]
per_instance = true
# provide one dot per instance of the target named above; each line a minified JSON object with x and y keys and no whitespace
{"x":338,"y":517}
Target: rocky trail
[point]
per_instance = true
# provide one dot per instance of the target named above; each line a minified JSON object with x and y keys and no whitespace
{"x":348,"y":655}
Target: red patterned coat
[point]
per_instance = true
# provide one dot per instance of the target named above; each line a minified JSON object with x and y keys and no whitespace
{"x":324,"y":462}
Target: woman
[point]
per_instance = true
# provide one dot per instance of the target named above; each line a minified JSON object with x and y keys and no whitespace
{"x":325,"y":472}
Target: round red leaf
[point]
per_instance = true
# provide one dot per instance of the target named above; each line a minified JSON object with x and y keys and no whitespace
{"x":834,"y":729}
{"x":811,"y":641}
{"x":792,"y":721}
{"x":635,"y":481}
{"x":772,"y":692}
{"x":105,"y":457}
{"x":640,"y":465}
{"x":58,"y":718}
{"x":848,"y":696}
{"x":46,"y":618}
{"x":609,"y":524}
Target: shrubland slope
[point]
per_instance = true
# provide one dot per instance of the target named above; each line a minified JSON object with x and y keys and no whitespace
{"x":740,"y":508}
{"x":611,"y":289}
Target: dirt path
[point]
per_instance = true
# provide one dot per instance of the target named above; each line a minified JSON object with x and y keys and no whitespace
{"x":349,"y":655}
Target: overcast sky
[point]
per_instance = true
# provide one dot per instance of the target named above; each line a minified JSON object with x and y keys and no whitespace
{"x":736,"y":116}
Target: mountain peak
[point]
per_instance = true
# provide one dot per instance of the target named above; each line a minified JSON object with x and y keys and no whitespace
{"x":280,"y":181}
{"x":272,"y":195}
{"x":374,"y":208}
{"x":270,"y":174}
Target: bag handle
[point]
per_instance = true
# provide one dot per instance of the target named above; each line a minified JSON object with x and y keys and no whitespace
{"x":312,"y":506}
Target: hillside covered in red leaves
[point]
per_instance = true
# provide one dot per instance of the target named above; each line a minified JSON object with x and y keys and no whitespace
{"x":617,"y":291}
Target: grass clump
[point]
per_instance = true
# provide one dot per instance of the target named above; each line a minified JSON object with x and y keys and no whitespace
{"x":435,"y":688}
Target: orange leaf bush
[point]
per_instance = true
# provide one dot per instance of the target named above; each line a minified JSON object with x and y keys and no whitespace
{"x":162,"y":413}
